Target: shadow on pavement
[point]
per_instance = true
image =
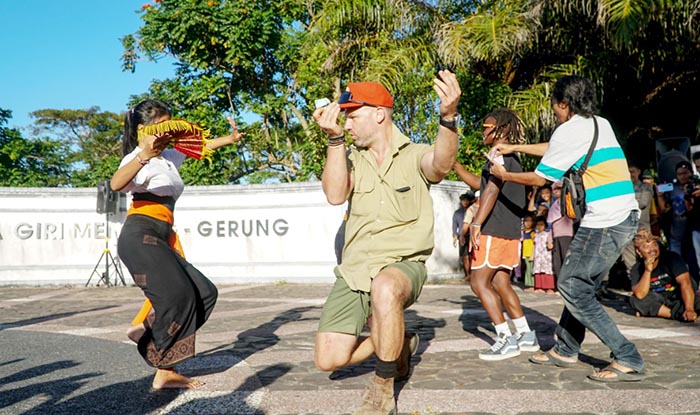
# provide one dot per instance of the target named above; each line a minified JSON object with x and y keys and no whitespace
{"x":49,"y":397}
{"x":236,"y":402}
{"x":133,"y":397}
{"x":250,"y":342}
{"x":37,"y":371}
{"x":49,"y":393}
{"x":619,"y":303}
{"x":37,"y":320}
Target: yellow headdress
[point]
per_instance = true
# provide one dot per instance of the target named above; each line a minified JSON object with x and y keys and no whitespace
{"x":186,"y":137}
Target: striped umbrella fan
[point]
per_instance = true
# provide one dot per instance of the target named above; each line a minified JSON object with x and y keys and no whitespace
{"x":186,"y":137}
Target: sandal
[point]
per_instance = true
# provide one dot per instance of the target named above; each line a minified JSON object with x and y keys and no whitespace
{"x":620,"y":376}
{"x":549,"y":359}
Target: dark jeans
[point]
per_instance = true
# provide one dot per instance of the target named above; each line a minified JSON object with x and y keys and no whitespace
{"x":591,"y":255}
{"x":561,"y":247}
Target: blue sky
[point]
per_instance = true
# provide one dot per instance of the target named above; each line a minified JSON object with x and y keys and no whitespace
{"x":64,"y":54}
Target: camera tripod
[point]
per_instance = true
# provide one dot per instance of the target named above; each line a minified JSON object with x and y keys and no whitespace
{"x":108,"y":258}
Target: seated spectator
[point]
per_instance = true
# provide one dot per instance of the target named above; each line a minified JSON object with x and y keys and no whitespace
{"x":661,"y":284}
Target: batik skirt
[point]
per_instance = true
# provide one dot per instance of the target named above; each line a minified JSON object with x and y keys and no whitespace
{"x":181,"y":296}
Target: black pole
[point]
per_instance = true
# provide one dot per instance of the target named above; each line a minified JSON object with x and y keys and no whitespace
{"x":107,"y":248}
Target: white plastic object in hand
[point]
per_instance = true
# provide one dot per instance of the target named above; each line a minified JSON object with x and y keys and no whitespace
{"x":320,"y":103}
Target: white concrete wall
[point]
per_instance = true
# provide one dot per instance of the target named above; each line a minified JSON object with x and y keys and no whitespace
{"x":258,"y":233}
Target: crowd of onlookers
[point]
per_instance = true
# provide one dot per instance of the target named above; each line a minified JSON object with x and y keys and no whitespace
{"x":667,"y":246}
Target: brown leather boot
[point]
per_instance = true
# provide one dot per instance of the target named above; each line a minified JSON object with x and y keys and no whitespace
{"x":378,"y":398}
{"x":403,"y":366}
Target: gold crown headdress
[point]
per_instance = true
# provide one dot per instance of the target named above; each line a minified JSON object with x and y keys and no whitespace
{"x":186,"y":137}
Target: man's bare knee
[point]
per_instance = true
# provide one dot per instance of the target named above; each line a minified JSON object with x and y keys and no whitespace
{"x":390,"y":289}
{"x":327,"y":359}
{"x":333,"y":351}
{"x":326,"y":363}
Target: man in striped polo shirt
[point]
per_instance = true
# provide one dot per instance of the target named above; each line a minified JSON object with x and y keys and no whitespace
{"x":609,"y":223}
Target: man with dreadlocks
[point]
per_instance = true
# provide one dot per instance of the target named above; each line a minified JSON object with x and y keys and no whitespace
{"x":495,"y":237}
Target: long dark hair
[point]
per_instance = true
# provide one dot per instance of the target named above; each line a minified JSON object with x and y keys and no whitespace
{"x":508,"y":125}
{"x":578,"y":93}
{"x":145,"y":113}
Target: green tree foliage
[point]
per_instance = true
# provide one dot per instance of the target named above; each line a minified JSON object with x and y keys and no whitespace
{"x":231,"y":57}
{"x":91,"y":139}
{"x":396,"y":43}
{"x":642,"y":54}
{"x":29,"y":163}
{"x":273,"y":59}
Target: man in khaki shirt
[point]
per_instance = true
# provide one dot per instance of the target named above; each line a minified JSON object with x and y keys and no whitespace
{"x":389,"y":233}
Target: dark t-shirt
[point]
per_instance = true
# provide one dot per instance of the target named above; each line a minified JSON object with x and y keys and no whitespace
{"x":663,"y":277}
{"x":504,"y":220}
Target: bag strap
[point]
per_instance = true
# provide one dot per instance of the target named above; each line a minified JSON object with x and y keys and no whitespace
{"x":584,"y":166}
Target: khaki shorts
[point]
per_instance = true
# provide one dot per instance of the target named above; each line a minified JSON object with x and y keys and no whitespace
{"x":347,"y":311}
{"x":496,"y":253}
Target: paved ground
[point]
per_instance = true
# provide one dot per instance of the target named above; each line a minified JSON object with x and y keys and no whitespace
{"x":63,"y":351}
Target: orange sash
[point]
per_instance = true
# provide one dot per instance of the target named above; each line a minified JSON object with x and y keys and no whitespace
{"x":160,"y":212}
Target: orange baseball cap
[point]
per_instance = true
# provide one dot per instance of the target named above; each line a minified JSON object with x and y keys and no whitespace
{"x":365,"y":93}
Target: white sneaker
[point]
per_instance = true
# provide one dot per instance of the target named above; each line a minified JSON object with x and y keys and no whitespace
{"x":527,"y":342}
{"x":504,"y":348}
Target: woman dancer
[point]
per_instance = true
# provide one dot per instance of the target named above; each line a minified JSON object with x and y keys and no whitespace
{"x":182,"y":298}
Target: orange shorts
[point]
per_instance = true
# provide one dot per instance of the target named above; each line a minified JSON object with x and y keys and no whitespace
{"x":496,"y":253}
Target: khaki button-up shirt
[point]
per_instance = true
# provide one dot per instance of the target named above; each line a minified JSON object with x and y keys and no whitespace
{"x":391,"y":212}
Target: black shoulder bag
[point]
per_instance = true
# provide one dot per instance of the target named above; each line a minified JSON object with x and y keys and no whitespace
{"x":573,"y":194}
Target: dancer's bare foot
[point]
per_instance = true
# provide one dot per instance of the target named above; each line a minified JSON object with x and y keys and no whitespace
{"x":135,"y":332}
{"x":169,"y":379}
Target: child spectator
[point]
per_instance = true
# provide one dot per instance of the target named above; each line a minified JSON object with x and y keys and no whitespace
{"x":539,"y":200}
{"x":528,"y":239}
{"x":542,"y":258}
{"x":544,"y":201}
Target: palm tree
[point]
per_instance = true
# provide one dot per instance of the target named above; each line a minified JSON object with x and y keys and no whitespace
{"x":642,"y":54}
